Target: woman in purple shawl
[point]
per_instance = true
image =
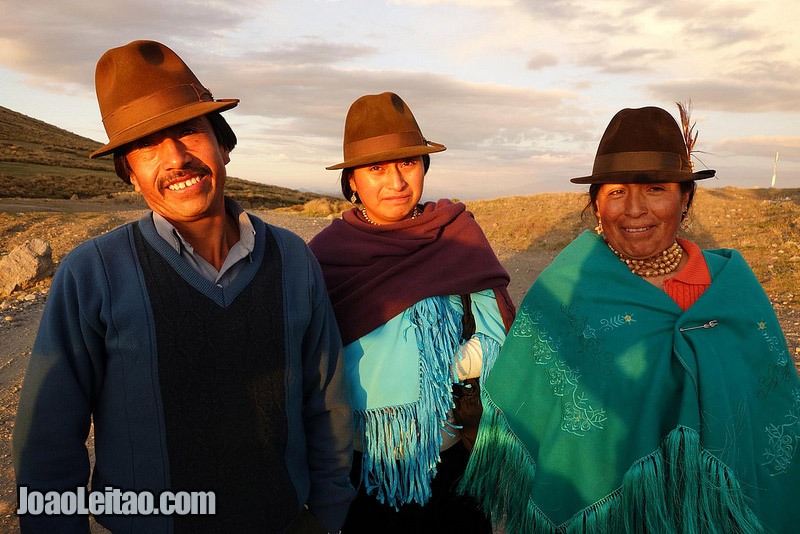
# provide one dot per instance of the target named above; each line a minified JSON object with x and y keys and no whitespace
{"x":400,"y":275}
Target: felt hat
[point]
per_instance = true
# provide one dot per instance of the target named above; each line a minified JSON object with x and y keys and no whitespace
{"x":382,"y":128}
{"x":643,"y":145}
{"x":144,"y":87}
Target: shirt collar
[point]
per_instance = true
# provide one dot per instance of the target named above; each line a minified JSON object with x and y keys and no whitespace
{"x":695,"y":271}
{"x":170,"y":234}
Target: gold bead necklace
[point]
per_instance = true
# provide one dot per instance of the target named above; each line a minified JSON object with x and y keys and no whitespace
{"x":414,"y":214}
{"x":660,"y":264}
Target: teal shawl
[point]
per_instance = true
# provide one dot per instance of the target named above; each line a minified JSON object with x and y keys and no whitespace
{"x":612,"y":410}
{"x":401,"y":378}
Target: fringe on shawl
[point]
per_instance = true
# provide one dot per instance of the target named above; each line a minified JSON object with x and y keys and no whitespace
{"x":490,"y":349}
{"x":678,"y":489}
{"x":401,"y":443}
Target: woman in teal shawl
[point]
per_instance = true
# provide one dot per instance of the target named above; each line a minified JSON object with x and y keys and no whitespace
{"x":645,"y":385}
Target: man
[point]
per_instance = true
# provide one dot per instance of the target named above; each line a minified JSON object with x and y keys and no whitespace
{"x":199,"y":341}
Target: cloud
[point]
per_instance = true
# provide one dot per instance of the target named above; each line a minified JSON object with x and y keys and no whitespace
{"x":761,"y":146}
{"x":315,"y":99}
{"x":461,"y":3}
{"x":63,"y":44}
{"x":763,"y":68}
{"x":737,"y":95}
{"x":309,"y":52}
{"x":541,"y":60}
{"x":633,"y":60}
{"x":560,"y":10}
{"x":721,"y":33}
{"x":718,"y":11}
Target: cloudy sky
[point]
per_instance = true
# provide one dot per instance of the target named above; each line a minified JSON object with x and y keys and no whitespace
{"x":520,"y":91}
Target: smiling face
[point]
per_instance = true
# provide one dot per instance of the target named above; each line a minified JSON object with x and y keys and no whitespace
{"x":389,"y":190}
{"x":641,"y":220}
{"x":180,"y":170}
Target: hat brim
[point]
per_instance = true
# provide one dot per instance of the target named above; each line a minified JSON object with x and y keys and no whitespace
{"x":175,"y":116}
{"x":397,"y":153}
{"x":644,"y":177}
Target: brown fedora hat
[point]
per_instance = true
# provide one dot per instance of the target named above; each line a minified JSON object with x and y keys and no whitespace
{"x":382,"y":128}
{"x":144,"y":87}
{"x":643,"y":145}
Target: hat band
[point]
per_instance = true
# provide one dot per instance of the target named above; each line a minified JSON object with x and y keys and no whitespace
{"x":639,"y":161}
{"x":382,"y":143}
{"x":153,"y":105}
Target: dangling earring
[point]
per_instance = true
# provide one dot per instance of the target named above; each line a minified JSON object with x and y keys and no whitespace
{"x":599,"y":227}
{"x":686,"y":221}
{"x":353,"y":198}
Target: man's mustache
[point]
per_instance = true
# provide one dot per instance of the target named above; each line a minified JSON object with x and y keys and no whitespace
{"x":180,"y":175}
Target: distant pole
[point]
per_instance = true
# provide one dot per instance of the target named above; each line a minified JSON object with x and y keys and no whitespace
{"x":774,"y":170}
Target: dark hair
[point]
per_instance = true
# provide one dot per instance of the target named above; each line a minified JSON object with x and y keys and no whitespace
{"x":222,"y":131}
{"x":344,"y":178}
{"x":594,"y":189}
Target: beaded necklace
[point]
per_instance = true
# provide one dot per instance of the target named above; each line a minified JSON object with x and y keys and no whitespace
{"x":658,"y":265}
{"x":414,"y":214}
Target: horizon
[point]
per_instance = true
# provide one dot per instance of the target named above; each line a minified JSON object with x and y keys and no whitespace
{"x":519,"y":91}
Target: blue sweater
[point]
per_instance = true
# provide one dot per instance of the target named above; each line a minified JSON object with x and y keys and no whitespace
{"x":95,"y":359}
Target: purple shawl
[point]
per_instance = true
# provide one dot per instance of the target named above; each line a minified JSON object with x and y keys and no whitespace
{"x":375,"y":272}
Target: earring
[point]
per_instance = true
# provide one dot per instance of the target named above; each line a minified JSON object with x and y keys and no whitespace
{"x":599,"y":227}
{"x":686,"y":221}
{"x":353,"y":198}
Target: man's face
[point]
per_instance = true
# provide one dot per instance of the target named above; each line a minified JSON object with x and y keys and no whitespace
{"x":180,"y":170}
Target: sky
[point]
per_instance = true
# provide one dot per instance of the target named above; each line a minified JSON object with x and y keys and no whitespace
{"x":520,"y":91}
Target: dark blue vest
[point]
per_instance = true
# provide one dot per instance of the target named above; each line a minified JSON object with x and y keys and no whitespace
{"x":221,"y":374}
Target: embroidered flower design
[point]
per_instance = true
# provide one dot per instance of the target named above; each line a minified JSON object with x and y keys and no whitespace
{"x":574,"y":420}
{"x":589,"y":332}
{"x":558,"y":381}
{"x":616,"y":321}
{"x":783,"y":439}
{"x":586,"y":337}
{"x":540,"y":353}
{"x":523,"y":326}
{"x":578,"y":417}
{"x":774,"y":344}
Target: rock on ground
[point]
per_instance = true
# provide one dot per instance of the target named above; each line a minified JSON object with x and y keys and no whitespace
{"x":27,"y":264}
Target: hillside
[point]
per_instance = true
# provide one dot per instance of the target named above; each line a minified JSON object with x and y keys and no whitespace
{"x":39,"y":160}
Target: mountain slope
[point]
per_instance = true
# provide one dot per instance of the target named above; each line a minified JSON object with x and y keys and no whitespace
{"x":39,"y":160}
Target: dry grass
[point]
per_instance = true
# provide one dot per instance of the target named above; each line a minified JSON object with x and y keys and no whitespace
{"x":319,"y":207}
{"x":764,"y":225}
{"x":56,"y":183}
{"x":548,"y":221}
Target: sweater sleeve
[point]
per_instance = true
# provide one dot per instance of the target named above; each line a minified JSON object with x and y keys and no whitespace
{"x":62,"y":380}
{"x":327,"y":413}
{"x":488,"y":326}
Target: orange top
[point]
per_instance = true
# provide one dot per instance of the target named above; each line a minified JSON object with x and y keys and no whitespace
{"x":690,"y":282}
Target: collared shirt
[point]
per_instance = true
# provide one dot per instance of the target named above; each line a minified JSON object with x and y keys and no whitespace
{"x":236,"y":255}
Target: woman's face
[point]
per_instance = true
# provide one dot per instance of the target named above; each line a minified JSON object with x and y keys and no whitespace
{"x":389,"y":190}
{"x":641,"y":220}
